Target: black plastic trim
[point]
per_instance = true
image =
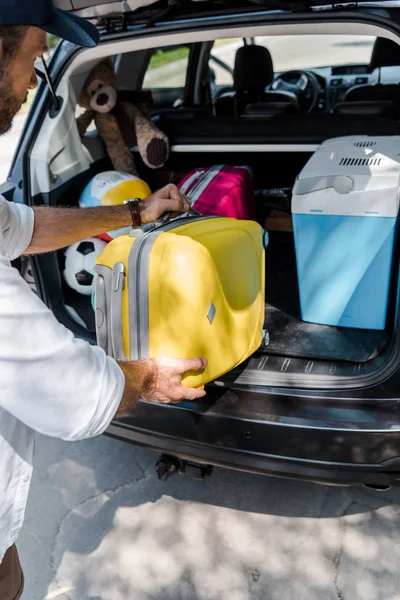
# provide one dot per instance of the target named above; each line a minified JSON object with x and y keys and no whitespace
{"x":339,"y":474}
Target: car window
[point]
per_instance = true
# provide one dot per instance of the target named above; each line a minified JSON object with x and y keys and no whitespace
{"x":167,"y":68}
{"x":52,"y":41}
{"x":293,"y":52}
{"x":222,"y":58}
{"x":312,"y":51}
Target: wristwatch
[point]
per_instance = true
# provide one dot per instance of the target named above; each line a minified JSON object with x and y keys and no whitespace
{"x":134,"y":208}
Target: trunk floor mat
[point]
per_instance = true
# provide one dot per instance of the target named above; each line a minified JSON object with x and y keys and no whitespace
{"x":292,"y":337}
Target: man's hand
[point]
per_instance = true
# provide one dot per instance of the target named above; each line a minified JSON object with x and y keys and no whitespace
{"x":168,"y":199}
{"x":164,"y":382}
{"x":159,"y":380}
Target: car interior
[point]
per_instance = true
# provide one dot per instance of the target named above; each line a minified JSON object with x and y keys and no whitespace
{"x":237,"y":101}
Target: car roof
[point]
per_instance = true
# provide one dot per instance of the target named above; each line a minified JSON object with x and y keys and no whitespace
{"x":98,"y":10}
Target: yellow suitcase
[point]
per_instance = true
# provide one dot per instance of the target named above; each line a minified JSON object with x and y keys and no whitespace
{"x":191,"y":287}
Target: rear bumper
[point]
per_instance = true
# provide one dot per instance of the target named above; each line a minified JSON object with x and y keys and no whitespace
{"x":308,"y":438}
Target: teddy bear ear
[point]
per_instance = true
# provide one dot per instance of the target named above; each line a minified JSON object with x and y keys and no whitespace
{"x":108,"y":62}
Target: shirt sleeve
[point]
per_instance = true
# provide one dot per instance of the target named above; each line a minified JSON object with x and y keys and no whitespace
{"x":17,"y":223}
{"x":56,"y":384}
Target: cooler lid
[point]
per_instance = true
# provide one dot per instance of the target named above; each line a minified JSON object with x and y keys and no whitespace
{"x":354,"y":176}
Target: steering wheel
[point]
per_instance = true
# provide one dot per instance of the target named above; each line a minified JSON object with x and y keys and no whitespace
{"x":304,"y":84}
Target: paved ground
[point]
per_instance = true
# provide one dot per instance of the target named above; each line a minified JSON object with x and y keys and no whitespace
{"x":100,"y":526}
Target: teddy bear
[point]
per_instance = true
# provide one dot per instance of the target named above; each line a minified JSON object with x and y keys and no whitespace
{"x":121,"y":124}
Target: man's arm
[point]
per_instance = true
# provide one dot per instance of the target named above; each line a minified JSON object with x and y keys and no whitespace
{"x":56,"y":228}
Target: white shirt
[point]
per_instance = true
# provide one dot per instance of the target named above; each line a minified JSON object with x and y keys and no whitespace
{"x":50,"y":381}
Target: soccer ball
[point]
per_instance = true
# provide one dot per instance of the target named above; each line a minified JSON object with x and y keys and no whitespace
{"x":80,"y":260}
{"x":112,"y":188}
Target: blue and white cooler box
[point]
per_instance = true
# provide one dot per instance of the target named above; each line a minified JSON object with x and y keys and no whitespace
{"x":345,"y":205}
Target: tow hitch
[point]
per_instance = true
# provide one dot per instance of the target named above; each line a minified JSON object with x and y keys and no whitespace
{"x":167,"y":465}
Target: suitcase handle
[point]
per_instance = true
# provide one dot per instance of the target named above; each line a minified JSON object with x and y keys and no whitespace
{"x":166,"y":217}
{"x":118,"y":285}
{"x":101,"y":313}
{"x":101,"y":301}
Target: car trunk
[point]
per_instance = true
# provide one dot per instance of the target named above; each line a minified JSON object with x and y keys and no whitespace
{"x":292,"y":342}
{"x":316,"y":354}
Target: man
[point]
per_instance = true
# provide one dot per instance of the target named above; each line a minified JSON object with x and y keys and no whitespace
{"x":50,"y":381}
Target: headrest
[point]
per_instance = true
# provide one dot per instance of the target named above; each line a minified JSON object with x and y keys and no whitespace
{"x":385,"y":54}
{"x":253,"y":68}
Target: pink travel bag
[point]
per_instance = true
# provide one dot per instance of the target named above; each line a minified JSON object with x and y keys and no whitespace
{"x":220,"y":190}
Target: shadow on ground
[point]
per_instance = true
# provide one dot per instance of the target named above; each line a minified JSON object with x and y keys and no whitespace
{"x":116,"y":532}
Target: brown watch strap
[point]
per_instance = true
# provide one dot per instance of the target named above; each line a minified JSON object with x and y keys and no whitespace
{"x":134,"y":208}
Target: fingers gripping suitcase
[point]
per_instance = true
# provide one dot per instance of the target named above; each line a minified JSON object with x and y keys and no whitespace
{"x":191,"y":287}
{"x":221,"y":190}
